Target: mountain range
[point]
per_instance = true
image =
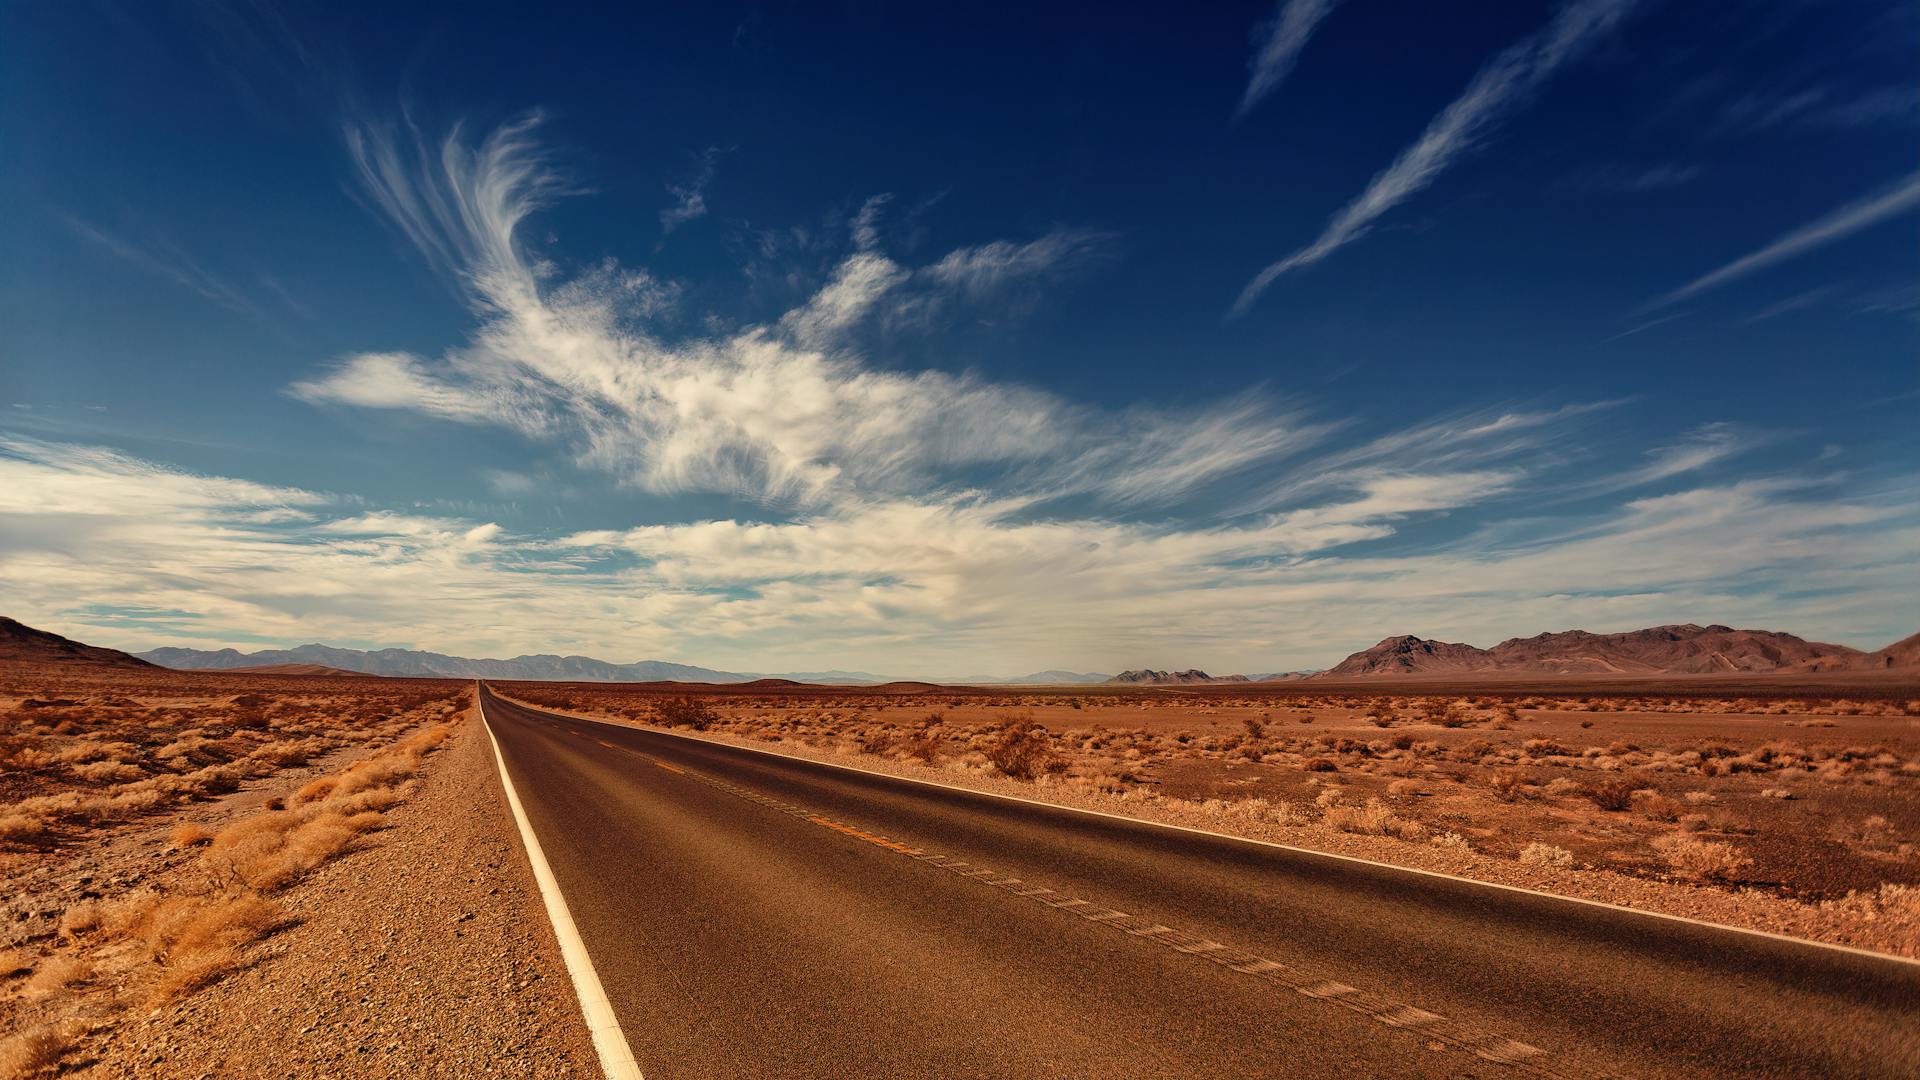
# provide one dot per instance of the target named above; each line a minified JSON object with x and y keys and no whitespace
{"x":20,"y":643}
{"x":1189,"y":677}
{"x":1683,"y":649}
{"x":533,"y":668}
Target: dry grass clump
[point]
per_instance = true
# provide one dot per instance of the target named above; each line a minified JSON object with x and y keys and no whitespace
{"x":78,"y":763}
{"x":1538,"y":854}
{"x":1701,"y":859}
{"x":37,"y":1052}
{"x":25,"y":829}
{"x":188,"y":834}
{"x":161,"y":945}
{"x":1373,"y":817}
{"x":273,"y":850}
{"x":1896,"y":907}
{"x":59,"y":973}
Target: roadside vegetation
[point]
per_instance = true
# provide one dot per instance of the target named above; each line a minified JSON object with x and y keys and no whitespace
{"x":137,"y":936}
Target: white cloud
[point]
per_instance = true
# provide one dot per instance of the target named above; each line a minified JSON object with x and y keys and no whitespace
{"x":1279,"y":47}
{"x":789,"y":412}
{"x":1504,"y":84}
{"x":918,"y":586}
{"x":1836,"y":225}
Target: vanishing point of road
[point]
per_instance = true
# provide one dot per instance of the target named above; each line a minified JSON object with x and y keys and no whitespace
{"x":753,"y":915}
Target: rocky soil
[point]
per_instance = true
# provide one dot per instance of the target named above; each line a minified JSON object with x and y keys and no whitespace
{"x":426,"y":953}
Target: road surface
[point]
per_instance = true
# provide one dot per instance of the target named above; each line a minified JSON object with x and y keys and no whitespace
{"x":752,"y":915}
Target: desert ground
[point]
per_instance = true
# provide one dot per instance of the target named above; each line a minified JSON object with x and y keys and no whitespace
{"x":168,"y":845}
{"x":186,"y":853}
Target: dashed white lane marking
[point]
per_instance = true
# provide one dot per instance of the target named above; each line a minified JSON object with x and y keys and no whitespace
{"x":616,"y":1057}
{"x":1440,"y":1030}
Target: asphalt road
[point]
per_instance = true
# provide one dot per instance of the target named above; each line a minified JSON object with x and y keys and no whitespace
{"x":752,"y":915}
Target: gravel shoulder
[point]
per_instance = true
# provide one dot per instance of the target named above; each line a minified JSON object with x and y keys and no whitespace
{"x":428,"y":953}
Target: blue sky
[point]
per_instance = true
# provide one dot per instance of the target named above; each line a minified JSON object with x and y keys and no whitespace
{"x":941,"y":342}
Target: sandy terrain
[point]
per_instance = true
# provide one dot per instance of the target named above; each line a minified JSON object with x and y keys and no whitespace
{"x":366,"y":911}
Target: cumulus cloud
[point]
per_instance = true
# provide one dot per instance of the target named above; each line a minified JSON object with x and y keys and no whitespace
{"x":1506,"y":83}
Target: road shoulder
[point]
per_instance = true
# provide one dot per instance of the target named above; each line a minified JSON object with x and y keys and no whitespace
{"x":427,"y":954}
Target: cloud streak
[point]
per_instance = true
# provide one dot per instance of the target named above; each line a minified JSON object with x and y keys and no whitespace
{"x":1836,"y":225}
{"x":1281,"y":40}
{"x":785,"y":412}
{"x":1506,"y":83}
{"x":690,"y":199}
{"x":103,"y":545}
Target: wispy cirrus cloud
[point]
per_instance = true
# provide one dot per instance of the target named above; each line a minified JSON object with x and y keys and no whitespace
{"x":1278,"y":46}
{"x":1898,"y":198}
{"x":690,"y":199}
{"x":164,"y":259}
{"x":787,"y":411}
{"x":1506,"y":83}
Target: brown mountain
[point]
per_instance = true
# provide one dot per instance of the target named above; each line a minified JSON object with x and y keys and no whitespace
{"x":1684,"y":649}
{"x":22,"y":644}
{"x":1901,"y":655}
{"x":297,"y":669}
{"x":1189,"y":677}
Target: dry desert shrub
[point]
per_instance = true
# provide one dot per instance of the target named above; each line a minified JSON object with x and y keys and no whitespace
{"x":687,"y":712}
{"x":1509,"y":785}
{"x":273,"y":850}
{"x":35,"y":1053}
{"x":1655,"y":806}
{"x":1896,"y":906}
{"x":1374,"y":818}
{"x":174,"y":928}
{"x":58,"y":973}
{"x":188,"y":834}
{"x":923,"y":747}
{"x":1452,"y":841}
{"x":1697,"y":858}
{"x":1022,"y":750}
{"x":25,"y":828}
{"x":1538,"y":854}
{"x":1612,"y":793}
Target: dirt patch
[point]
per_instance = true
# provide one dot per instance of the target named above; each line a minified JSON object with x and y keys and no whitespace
{"x":382,"y":924}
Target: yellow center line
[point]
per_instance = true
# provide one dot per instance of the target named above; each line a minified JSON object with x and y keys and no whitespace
{"x":890,"y":845}
{"x":671,"y":768}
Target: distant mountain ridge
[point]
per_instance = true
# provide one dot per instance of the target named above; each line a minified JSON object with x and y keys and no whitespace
{"x":20,"y":643}
{"x":533,"y":668}
{"x":1189,"y":677}
{"x":537,"y":668}
{"x":1681,"y":649}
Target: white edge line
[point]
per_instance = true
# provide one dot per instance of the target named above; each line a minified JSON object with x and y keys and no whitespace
{"x":616,"y":1057}
{"x":1641,"y":912}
